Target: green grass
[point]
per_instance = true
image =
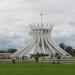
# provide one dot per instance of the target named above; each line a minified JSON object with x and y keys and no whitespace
{"x":32,"y":68}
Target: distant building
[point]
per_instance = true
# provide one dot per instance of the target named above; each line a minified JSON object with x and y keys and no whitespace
{"x":5,"y":55}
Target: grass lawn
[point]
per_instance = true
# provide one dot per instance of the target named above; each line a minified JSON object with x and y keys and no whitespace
{"x":32,"y":68}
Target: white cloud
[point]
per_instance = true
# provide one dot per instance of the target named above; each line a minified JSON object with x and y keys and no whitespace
{"x":15,"y":14}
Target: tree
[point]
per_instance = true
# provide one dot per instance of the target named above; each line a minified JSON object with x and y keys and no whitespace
{"x":62,"y":45}
{"x":58,"y":57}
{"x":11,"y":50}
{"x":43,"y":56}
{"x":73,"y":52}
{"x":3,"y":51}
{"x":14,"y":61}
{"x":38,"y":55}
{"x":69,"y":49}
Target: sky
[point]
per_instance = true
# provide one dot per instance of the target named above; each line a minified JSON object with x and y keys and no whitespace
{"x":16,"y":15}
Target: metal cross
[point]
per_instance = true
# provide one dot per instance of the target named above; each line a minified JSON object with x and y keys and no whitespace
{"x":41,"y":17}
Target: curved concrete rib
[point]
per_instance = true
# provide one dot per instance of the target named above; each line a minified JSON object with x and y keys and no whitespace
{"x":50,"y":47}
{"x":58,"y":48}
{"x":29,"y":49}
{"x":17,"y":53}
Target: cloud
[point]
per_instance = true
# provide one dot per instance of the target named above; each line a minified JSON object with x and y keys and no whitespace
{"x":16,"y":15}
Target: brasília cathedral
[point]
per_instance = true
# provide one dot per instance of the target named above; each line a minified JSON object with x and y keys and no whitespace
{"x":41,"y":42}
